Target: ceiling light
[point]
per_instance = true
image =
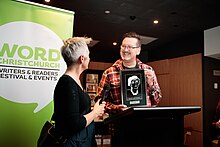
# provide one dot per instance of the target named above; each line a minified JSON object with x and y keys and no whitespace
{"x":47,"y":1}
{"x":107,"y":11}
{"x":114,"y":43}
{"x":156,"y":21}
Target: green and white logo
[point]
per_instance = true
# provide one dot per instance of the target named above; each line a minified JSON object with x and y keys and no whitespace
{"x":30,"y":59}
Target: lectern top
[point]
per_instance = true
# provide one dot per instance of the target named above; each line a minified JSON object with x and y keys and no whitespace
{"x":167,"y":108}
{"x":170,"y":109}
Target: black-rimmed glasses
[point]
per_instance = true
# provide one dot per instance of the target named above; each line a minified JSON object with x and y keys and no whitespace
{"x":128,"y":47}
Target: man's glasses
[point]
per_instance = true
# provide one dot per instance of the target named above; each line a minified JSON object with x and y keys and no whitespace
{"x":128,"y":47}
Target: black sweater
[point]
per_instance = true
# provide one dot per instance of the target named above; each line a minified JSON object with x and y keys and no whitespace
{"x":70,"y":104}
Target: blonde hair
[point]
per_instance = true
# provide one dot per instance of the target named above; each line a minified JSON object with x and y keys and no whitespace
{"x":77,"y":39}
{"x":73,"y":48}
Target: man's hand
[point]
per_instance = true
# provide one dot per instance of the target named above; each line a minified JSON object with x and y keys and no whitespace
{"x":115,"y":108}
{"x":150,"y":77}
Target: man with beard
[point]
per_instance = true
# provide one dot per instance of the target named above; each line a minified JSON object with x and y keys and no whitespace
{"x":130,"y":48}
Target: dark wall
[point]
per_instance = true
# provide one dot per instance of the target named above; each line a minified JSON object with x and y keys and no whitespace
{"x":186,"y":45}
{"x":210,"y":97}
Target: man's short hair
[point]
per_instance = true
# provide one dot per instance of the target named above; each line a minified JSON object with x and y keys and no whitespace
{"x":133,"y":35}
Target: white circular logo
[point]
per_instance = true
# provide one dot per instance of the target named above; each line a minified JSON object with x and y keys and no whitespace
{"x":30,"y":63}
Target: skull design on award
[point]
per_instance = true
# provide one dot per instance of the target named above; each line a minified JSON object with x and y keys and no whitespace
{"x":134,"y":83}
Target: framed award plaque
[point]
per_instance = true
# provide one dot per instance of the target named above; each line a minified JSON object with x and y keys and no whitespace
{"x":133,"y":87}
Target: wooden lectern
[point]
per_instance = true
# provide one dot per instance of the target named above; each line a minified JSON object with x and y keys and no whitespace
{"x":149,"y":126}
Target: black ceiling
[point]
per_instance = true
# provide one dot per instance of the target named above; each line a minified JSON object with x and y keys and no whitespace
{"x":177,"y":18}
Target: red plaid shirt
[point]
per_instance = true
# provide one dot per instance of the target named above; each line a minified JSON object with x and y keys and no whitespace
{"x":111,"y":76}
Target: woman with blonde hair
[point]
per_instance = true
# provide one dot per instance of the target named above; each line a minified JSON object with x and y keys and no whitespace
{"x":74,"y":119}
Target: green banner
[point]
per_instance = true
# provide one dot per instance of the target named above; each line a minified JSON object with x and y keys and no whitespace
{"x":30,"y":65}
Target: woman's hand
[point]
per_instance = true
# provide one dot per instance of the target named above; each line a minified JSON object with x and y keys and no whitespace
{"x":99,"y":108}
